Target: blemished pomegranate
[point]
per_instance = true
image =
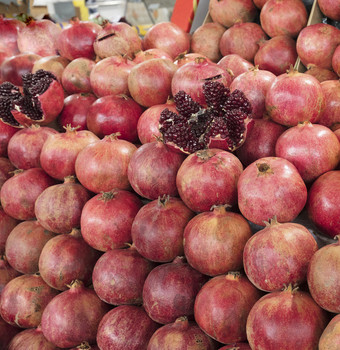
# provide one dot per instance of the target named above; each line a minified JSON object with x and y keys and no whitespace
{"x":269,"y":187}
{"x":223,"y":123}
{"x":323,"y":203}
{"x":186,"y":333}
{"x":314,"y":149}
{"x":128,"y":269}
{"x":242,"y":39}
{"x":58,"y":208}
{"x":153,"y":168}
{"x":6,"y":130}
{"x":168,"y":37}
{"x":112,"y":156}
{"x":7,"y":273}
{"x":330,"y":337}
{"x":24,"y":245}
{"x":205,"y":40}
{"x":73,"y":316}
{"x":289,"y":247}
{"x":330,"y":115}
{"x":25,"y":146}
{"x":112,"y":114}
{"x":235,"y":64}
{"x":229,"y":12}
{"x":322,"y":74}
{"x":106,"y":219}
{"x":7,"y":224}
{"x":24,"y":299}
{"x":125,"y":327}
{"x":54,"y":64}
{"x":170,"y":290}
{"x":9,"y":34}
{"x":59,"y":152}
{"x":19,"y":193}
{"x":144,"y":55}
{"x":66,"y":258}
{"x":295,"y":97}
{"x":222,"y":307}
{"x":196,"y":179}
{"x":214,"y":241}
{"x":157,"y":230}
{"x":6,"y":170}
{"x":284,"y":320}
{"x":184,"y":58}
{"x":7,"y":333}
{"x":323,"y":277}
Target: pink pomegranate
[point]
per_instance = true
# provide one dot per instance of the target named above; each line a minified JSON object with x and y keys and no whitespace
{"x":222,"y":307}
{"x":336,"y":60}
{"x":9,"y":28}
{"x":322,"y":74}
{"x":6,"y":132}
{"x":7,"y":273}
{"x":168,"y":37}
{"x":54,"y":64}
{"x":295,"y":97}
{"x":329,"y":10}
{"x":214,"y":241}
{"x":271,"y":186}
{"x":330,"y":115}
{"x":229,"y":12}
{"x":7,"y":224}
{"x":184,"y":58}
{"x":284,"y":320}
{"x":107,"y":218}
{"x":235,"y":63}
{"x":330,"y":337}
{"x":6,"y":170}
{"x":143,"y":55}
{"x":242,"y":39}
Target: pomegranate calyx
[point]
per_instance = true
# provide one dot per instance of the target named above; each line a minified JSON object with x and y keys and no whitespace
{"x":233,"y":275}
{"x":182,"y":323}
{"x":84,"y":346}
{"x":179,"y":260}
{"x":75,"y":284}
{"x":272,"y":222}
{"x":163,"y":200}
{"x":112,"y":137}
{"x":70,"y":179}
{"x":75,"y":232}
{"x":107,"y":196}
{"x":291,"y":288}
{"x":263,"y":169}
{"x":220,"y":208}
{"x":70,"y":128}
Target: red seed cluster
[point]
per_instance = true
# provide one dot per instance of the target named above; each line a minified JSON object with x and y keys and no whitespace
{"x":8,"y":93}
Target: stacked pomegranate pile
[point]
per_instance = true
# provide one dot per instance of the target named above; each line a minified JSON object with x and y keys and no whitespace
{"x":173,"y":191}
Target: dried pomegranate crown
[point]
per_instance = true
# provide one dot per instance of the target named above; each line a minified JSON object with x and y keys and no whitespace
{"x":220,"y":124}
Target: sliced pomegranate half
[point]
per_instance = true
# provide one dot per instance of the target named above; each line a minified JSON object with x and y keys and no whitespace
{"x":8,"y":93}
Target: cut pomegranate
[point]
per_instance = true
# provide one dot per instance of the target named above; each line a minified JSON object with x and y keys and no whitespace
{"x":8,"y":93}
{"x":223,"y":123}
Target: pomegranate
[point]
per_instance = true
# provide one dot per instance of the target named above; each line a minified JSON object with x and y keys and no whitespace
{"x":76,"y":76}
{"x":86,"y":346}
{"x":9,"y":28}
{"x":157,"y":230}
{"x":112,"y":114}
{"x":143,"y":55}
{"x":186,"y":333}
{"x":322,"y":74}
{"x":58,"y":208}
{"x":214,"y":241}
{"x":259,"y":3}
{"x":54,"y":64}
{"x":316,"y":44}
{"x":330,"y":339}
{"x":276,"y":54}
{"x":7,"y":333}
{"x":236,"y":346}
{"x":205,"y":40}
{"x":73,"y":316}
{"x":196,"y":179}
{"x":260,"y":141}
{"x":329,"y":10}
{"x":117,"y":39}
{"x":284,"y":320}
{"x":6,"y":130}
{"x":19,"y":193}
{"x":149,"y":82}
{"x":107,"y":218}
{"x":330,"y":115}
{"x":323,"y":203}
{"x":119,"y":276}
{"x":125,"y":327}
{"x":24,"y":245}
{"x":76,"y":40}
{"x":6,"y":170}
{"x":323,"y":277}
{"x":313,"y":149}
{"x":65,"y":258}
{"x":59,"y":152}
{"x":229,"y":12}
{"x":184,"y":58}
{"x":336,"y":60}
{"x":222,"y":307}
{"x":254,"y":84}
{"x":271,"y":186}
{"x":170,"y":290}
{"x":110,"y":76}
{"x":24,"y":299}
{"x":24,"y":147}
{"x":242,"y":39}
{"x":295,"y":97}
{"x":75,"y":109}
{"x":235,"y":64}
{"x":167,"y":36}
{"x":7,"y":224}
{"x":112,"y":157}
{"x":7,"y":273}
{"x":152,"y":170}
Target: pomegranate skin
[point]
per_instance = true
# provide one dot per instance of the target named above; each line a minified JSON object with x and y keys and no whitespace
{"x":7,"y":333}
{"x":269,"y":187}
{"x":7,"y":273}
{"x":222,"y":307}
{"x":197,"y":176}
{"x":24,"y":299}
{"x":214,"y":241}
{"x":324,"y":203}
{"x":6,"y":133}
{"x":7,"y":224}
{"x":6,"y":170}
{"x":235,"y":63}
{"x":322,"y":74}
{"x":125,"y":327}
{"x":54,"y":64}
{"x":285,"y":320}
{"x":157,"y":230}
{"x":330,"y":116}
{"x":9,"y":28}
{"x":144,"y":55}
{"x":119,"y":276}
{"x":336,"y":61}
{"x":330,"y":337}
{"x":323,"y":277}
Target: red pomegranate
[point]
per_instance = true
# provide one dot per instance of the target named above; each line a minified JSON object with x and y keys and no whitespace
{"x":329,"y":10}
{"x":107,"y":218}
{"x":284,"y":320}
{"x":7,"y":333}
{"x":7,"y":273}
{"x":330,"y":337}
{"x":235,"y":64}
{"x":54,"y":64}
{"x":330,"y":115}
{"x":7,"y":224}
{"x":184,"y":58}
{"x":9,"y":28}
{"x":222,"y":307}
{"x":6,"y":132}
{"x":271,"y":186}
{"x":322,"y":74}
{"x":259,"y":3}
{"x":144,"y":55}
{"x":336,"y":60}
{"x":6,"y":170}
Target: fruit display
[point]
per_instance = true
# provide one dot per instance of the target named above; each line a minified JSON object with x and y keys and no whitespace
{"x":172,"y":190}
